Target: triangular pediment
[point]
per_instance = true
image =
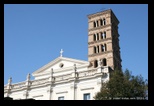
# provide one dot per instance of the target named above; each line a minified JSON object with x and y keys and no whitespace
{"x":60,"y":63}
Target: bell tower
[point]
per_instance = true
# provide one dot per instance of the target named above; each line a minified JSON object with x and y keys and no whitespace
{"x":103,"y":39}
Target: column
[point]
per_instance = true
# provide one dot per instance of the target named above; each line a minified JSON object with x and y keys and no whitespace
{"x":100,"y":48}
{"x":100,"y":36}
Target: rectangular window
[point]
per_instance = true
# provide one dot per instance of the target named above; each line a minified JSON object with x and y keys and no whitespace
{"x":61,"y":98}
{"x":86,"y":96}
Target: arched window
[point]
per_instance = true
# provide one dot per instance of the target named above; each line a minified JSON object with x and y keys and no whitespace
{"x":97,"y":36}
{"x":101,"y":22}
{"x":101,"y":35}
{"x":94,"y":24}
{"x":104,"y":62}
{"x":97,"y":49}
{"x":104,"y":21}
{"x":94,"y":49}
{"x":94,"y":37}
{"x":104,"y":35}
{"x":95,"y":64}
{"x":97,"y":24}
{"x":103,"y":48}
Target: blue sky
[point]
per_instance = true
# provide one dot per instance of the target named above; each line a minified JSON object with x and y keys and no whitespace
{"x":35,"y":33}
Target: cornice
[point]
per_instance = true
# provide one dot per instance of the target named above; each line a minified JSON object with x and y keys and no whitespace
{"x":99,"y":13}
{"x":102,"y":53}
{"x":98,"y":41}
{"x":57,"y":60}
{"x":100,"y":27}
{"x":63,"y":69}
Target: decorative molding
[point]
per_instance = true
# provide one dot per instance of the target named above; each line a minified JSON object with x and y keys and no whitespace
{"x":37,"y":96}
{"x":62,"y":92}
{"x":98,"y":41}
{"x":100,"y":27}
{"x":108,"y":29}
{"x":102,"y":53}
{"x":87,"y":88}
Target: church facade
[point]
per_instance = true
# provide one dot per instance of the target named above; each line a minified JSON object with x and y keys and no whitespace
{"x":72,"y":79}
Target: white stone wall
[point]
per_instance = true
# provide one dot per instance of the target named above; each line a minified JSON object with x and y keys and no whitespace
{"x":64,"y":83}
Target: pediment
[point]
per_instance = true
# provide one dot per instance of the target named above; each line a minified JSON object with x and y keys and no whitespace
{"x":60,"y":63}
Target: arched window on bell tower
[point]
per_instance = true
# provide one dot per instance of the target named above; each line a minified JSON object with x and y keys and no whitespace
{"x":104,"y":21}
{"x":95,"y":64}
{"x":97,"y":49}
{"x":101,"y":22}
{"x":94,"y":23}
{"x":97,"y":36}
{"x":104,"y":35}
{"x":97,"y":24}
{"x":101,"y":35}
{"x":104,"y":62}
{"x":103,"y":48}
{"x":94,"y":49}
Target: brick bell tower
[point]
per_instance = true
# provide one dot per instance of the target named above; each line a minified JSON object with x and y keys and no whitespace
{"x":103,"y":40}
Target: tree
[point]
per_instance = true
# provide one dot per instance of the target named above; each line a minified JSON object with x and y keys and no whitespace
{"x":123,"y":85}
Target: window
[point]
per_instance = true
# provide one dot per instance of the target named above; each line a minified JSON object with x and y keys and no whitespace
{"x":101,"y":35}
{"x":104,"y":62}
{"x":94,"y":24}
{"x":61,"y":65}
{"x":94,"y":49}
{"x":104,"y":22}
{"x":86,"y":96}
{"x":104,"y":35}
{"x":97,"y":49}
{"x":103,"y":48}
{"x":97,"y":36}
{"x":95,"y":64}
{"x":101,"y":22}
{"x":61,"y":98}
{"x":97,"y":24}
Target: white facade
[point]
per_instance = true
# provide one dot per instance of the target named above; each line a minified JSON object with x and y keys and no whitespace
{"x":62,"y":78}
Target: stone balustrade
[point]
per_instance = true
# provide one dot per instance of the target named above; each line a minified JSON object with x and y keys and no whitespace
{"x":82,"y":74}
{"x":39,"y":81}
{"x":62,"y":77}
{"x":18,"y":85}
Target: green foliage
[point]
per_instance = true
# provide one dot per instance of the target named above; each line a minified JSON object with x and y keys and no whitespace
{"x":123,"y":85}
